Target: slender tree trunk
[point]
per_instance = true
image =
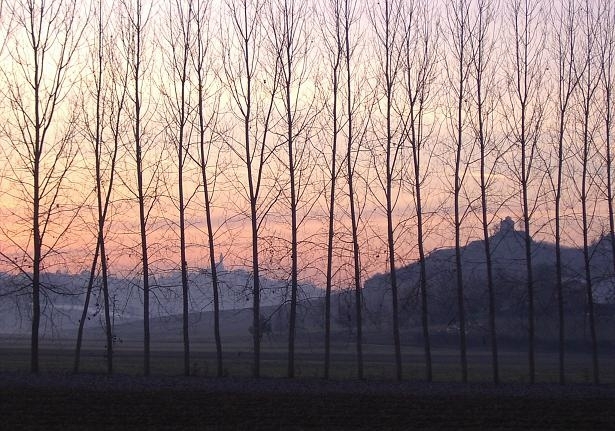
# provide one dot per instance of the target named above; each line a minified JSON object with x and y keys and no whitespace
{"x":100,"y":251}
{"x":245,"y":32}
{"x":393,"y":269}
{"x":102,"y":217}
{"x":416,"y":157}
{"x":609,"y":166}
{"x":419,"y":73}
{"x":103,"y":199}
{"x":100,"y":233}
{"x":458,"y":263}
{"x":528,"y":254}
{"x":586,"y":255}
{"x":144,"y":257}
{"x":84,"y":312}
{"x":137,"y":56}
{"x":107,"y":307}
{"x":287,"y":40}
{"x":256,"y":325}
{"x":587,"y":263}
{"x":567,"y":84}
{"x":522,"y":82}
{"x":330,"y":234}
{"x":480,"y":59}
{"x":558,"y":253}
{"x":391,"y":158}
{"x":358,"y":294}
{"x":486,"y":240}
{"x":182,"y":245}
{"x":489,"y":263}
{"x":212,"y":258}
{"x":329,"y":276}
{"x":459,"y":23}
{"x":588,"y":96}
{"x":103,"y":209}
{"x":608,"y":150}
{"x":181,"y":65}
{"x":36,"y":270}
{"x":293,"y":224}
{"x":459,"y":26}
{"x":351,"y":191}
{"x":459,"y":268}
{"x":288,"y":29}
{"x":36,"y":229}
{"x":255,"y":292}
{"x":208,"y":210}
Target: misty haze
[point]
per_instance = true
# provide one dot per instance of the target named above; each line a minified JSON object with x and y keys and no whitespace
{"x":326,"y":214}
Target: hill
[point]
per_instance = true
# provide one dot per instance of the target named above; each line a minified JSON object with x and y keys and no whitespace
{"x":508,"y":257}
{"x":65,"y":293}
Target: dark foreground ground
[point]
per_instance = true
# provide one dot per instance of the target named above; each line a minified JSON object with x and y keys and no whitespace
{"x":128,"y":402}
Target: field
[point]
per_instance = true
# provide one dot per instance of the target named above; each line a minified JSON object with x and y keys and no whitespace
{"x":58,"y":399}
{"x":90,"y":401}
{"x":57,"y":356}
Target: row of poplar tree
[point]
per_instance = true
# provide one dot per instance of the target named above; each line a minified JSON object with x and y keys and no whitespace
{"x":296,"y":132}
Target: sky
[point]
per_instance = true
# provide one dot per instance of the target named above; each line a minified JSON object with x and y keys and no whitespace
{"x":69,"y":196}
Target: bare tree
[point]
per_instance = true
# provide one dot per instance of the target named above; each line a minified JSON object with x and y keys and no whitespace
{"x":333,"y":40}
{"x":351,"y":17}
{"x":340,"y":19}
{"x":589,"y":81}
{"x":109,"y":104}
{"x":202,"y":71}
{"x":524,"y":120}
{"x":42,"y":46}
{"x":484,"y":82}
{"x":459,"y":75}
{"x":386,"y":20}
{"x":290,"y":38}
{"x":419,"y":62}
{"x":567,"y":81}
{"x":180,"y":20}
{"x":286,"y":27}
{"x":135,"y":20}
{"x":252,"y":93}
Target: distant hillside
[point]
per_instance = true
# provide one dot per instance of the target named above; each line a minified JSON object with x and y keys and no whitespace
{"x":508,"y":256}
{"x":65,"y":294}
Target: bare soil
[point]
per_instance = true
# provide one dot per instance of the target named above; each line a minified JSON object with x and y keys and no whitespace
{"x":89,"y":401}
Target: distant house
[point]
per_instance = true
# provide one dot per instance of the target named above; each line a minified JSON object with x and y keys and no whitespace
{"x":507,"y":225}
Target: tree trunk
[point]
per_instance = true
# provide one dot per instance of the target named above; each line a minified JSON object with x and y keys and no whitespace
{"x":422,"y":263}
{"x":210,"y":232}
{"x":333,"y":179}
{"x":84,"y":312}
{"x":182,"y":253}
{"x":480,"y":59}
{"x":588,"y":96}
{"x":36,"y":289}
{"x":351,"y":195}
{"x":486,"y":239}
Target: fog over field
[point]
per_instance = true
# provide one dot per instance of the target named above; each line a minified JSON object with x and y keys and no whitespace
{"x":64,"y":308}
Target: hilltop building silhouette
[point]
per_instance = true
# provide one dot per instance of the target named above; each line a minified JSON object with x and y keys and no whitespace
{"x":507,"y":225}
